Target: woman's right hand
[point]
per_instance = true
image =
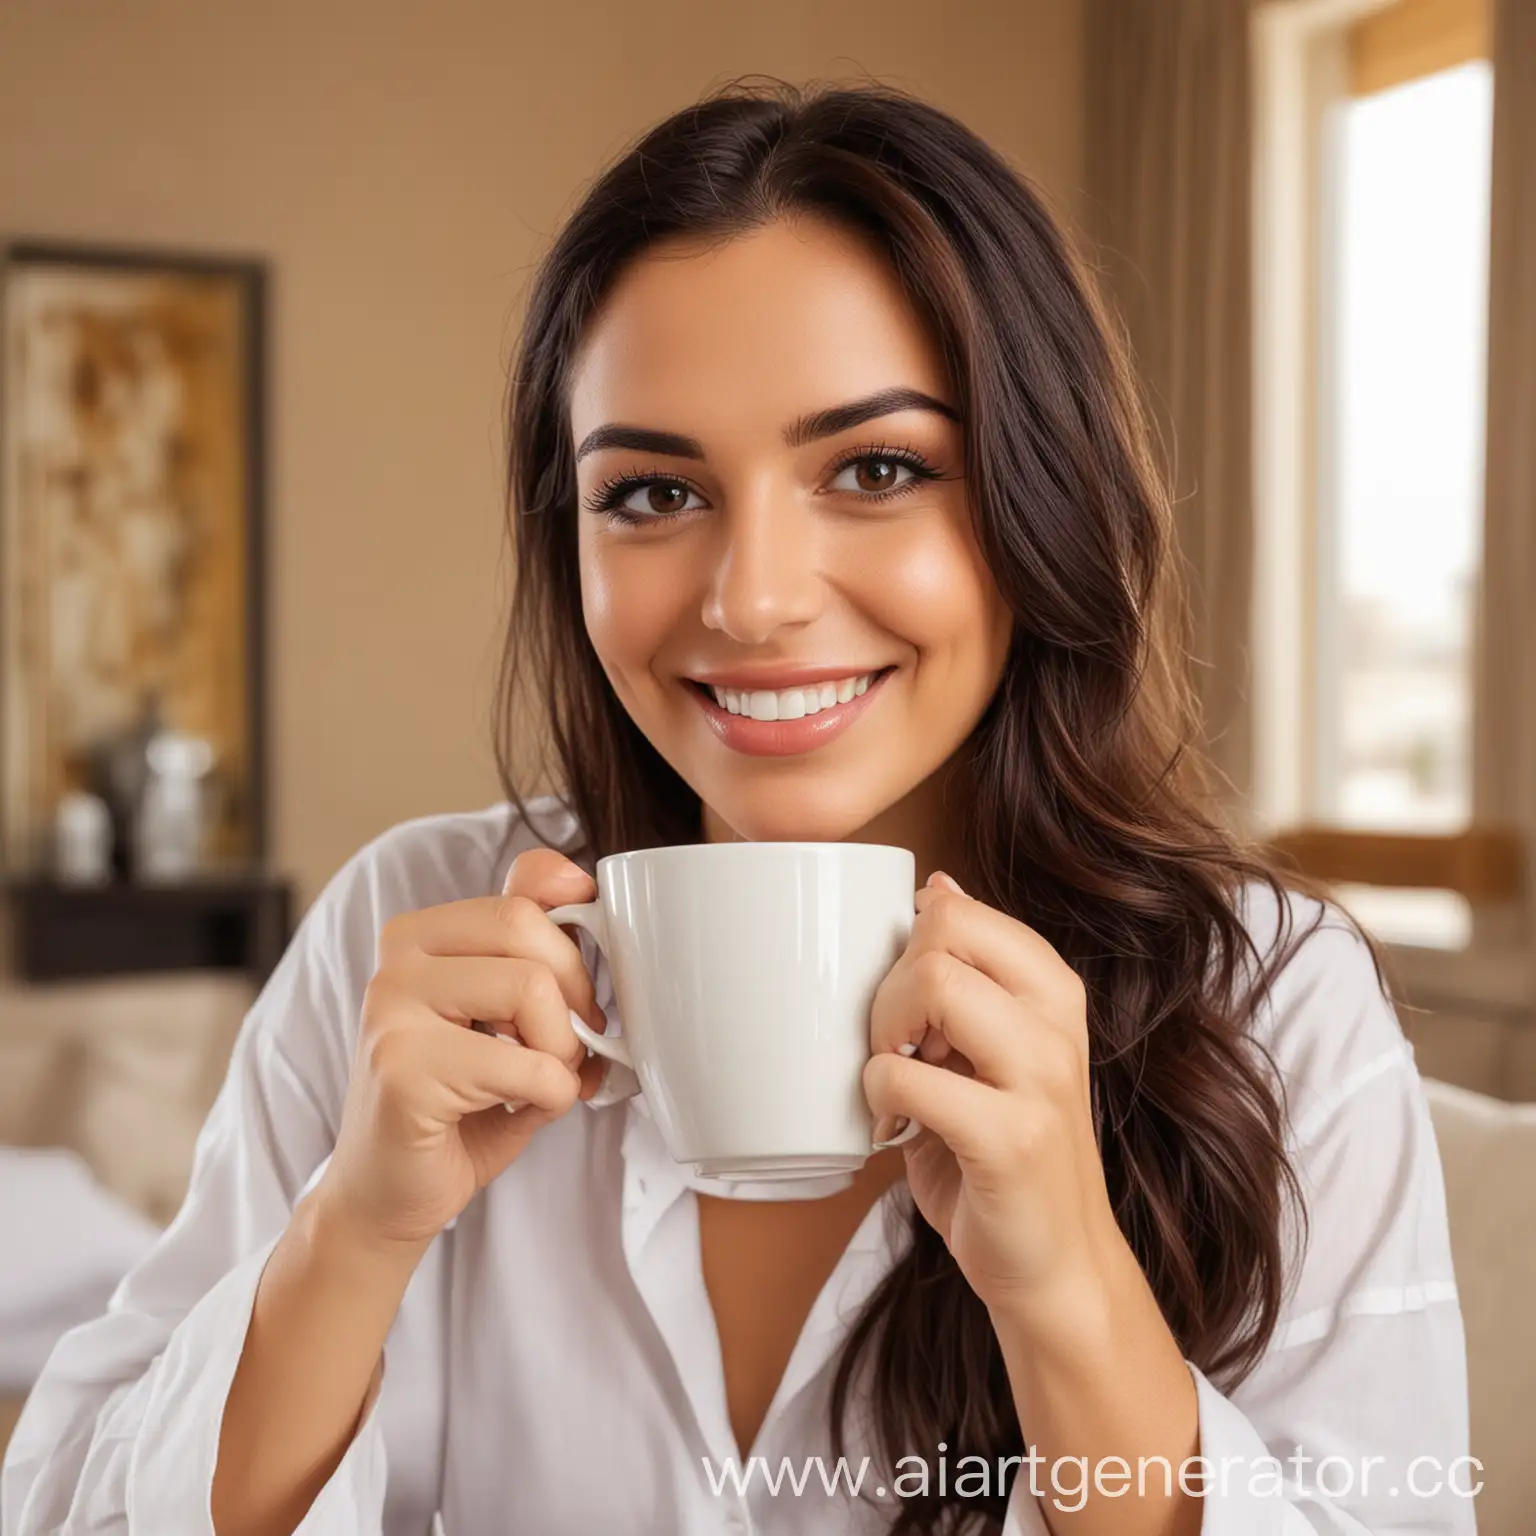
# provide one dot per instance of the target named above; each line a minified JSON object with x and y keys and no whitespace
{"x":426,"y":1124}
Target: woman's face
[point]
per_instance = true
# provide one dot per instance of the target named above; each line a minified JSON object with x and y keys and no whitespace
{"x":773,"y":513}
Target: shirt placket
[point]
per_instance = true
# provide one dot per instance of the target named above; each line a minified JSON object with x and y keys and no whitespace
{"x":661,"y":1246}
{"x":660,"y":1239}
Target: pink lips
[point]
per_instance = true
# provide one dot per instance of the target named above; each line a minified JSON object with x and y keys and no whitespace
{"x":785,"y":738}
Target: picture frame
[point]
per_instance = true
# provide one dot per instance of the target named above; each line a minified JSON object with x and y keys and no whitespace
{"x":133,"y":485}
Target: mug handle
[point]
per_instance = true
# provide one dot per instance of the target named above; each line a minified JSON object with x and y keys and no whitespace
{"x":588,"y":916}
{"x":901,"y":1138}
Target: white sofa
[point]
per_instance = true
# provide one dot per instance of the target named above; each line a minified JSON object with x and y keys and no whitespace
{"x":1488,"y":1148}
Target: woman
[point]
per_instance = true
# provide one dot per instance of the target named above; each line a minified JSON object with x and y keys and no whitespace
{"x":810,"y":397}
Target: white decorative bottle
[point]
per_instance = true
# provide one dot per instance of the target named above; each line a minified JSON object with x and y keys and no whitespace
{"x":168,"y":832}
{"x":82,"y":840}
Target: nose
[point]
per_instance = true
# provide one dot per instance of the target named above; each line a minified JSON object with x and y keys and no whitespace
{"x":767,"y":574}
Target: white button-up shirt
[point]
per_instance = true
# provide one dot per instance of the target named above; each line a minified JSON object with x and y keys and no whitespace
{"x":555,"y":1367}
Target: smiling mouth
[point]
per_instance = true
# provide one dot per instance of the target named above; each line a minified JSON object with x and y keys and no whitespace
{"x":775,"y":704}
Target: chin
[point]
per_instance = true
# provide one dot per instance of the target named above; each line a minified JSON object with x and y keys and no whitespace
{"x":796,"y":814}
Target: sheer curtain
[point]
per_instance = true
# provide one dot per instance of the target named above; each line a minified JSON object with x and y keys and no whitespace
{"x":1169,"y":178}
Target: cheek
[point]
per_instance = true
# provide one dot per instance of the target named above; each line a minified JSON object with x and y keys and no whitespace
{"x":627,"y":613}
{"x":934,"y":588}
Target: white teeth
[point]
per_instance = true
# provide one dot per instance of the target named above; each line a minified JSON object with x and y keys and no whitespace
{"x":790,"y":703}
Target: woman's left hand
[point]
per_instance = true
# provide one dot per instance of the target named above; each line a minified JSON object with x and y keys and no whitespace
{"x":1009,"y":1172}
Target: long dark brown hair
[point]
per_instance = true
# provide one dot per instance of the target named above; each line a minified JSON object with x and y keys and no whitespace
{"x":1089,"y":810}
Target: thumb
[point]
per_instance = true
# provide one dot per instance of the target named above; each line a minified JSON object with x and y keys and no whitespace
{"x":546,"y":876}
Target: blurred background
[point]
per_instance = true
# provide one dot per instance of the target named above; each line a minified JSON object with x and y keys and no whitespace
{"x":263,"y":270}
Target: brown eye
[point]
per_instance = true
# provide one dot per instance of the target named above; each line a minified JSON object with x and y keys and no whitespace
{"x":874,"y":476}
{"x":653,"y":500}
{"x":665,"y":496}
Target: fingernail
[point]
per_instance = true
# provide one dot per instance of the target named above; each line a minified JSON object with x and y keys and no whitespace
{"x":513,"y":1105}
{"x":909,"y":1049}
{"x":887,"y":1128}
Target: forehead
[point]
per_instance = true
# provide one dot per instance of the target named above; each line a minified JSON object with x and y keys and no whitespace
{"x":749,"y":334}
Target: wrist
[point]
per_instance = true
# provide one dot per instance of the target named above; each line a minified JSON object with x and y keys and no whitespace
{"x":1076,"y":1314}
{"x":1068,"y":1320}
{"x":1081,"y":1340}
{"x":340,"y":1236}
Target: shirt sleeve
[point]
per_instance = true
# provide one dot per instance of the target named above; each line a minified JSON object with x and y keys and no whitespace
{"x":1354,"y":1421}
{"x":120,"y":1432}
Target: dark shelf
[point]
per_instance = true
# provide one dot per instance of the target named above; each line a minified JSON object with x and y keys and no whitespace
{"x":223,"y":922}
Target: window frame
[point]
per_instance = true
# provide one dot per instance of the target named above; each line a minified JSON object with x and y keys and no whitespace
{"x":1308,"y":55}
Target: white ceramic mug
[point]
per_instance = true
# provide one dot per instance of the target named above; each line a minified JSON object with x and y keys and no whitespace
{"x":744,"y":975}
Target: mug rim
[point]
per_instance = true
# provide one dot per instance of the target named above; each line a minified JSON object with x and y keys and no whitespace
{"x":753,"y":848}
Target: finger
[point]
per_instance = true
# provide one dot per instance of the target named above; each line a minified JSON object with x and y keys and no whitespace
{"x":550,"y":879}
{"x":539,"y":879}
{"x":513,"y":997}
{"x":483,"y":1070}
{"x":509,"y":928}
{"x":934,"y":990}
{"x":592,"y":1072}
{"x":1017,"y":958}
{"x":477,"y":925}
{"x":959,"y":1110}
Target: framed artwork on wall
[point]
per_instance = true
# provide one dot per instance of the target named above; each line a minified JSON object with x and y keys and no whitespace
{"x":132,"y":487}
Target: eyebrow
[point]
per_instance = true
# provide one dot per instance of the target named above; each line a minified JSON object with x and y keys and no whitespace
{"x":803,"y":430}
{"x":885,"y":402}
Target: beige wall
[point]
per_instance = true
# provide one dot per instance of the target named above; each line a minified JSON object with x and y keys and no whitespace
{"x":402,"y":165}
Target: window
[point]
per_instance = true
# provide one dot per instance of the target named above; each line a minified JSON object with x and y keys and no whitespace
{"x":1400,"y":542}
{"x":1375,"y":140}
{"x":1402,"y":447}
